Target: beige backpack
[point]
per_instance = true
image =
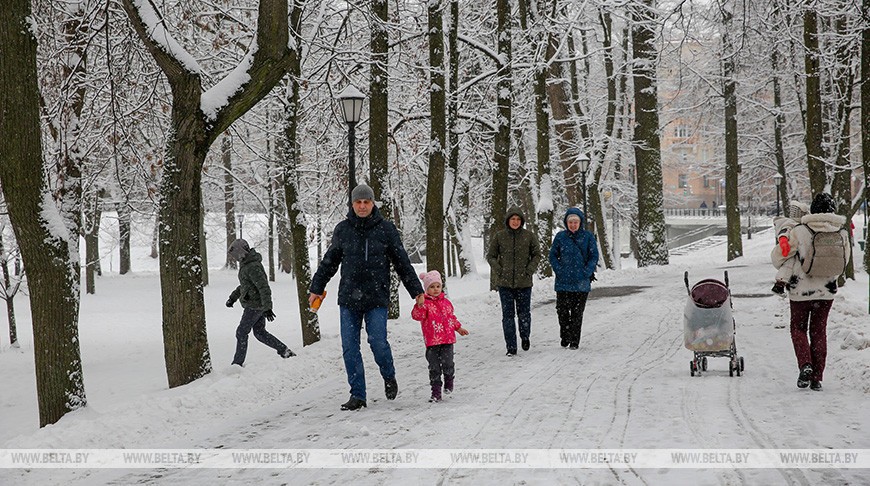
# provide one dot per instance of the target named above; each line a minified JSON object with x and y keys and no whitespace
{"x":826,"y":256}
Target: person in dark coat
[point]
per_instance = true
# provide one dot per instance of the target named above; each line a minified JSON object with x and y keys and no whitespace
{"x":513,"y":256}
{"x":256,"y":298}
{"x":573,"y":256}
{"x":364,"y":245}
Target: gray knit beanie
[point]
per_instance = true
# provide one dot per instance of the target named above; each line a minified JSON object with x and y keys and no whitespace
{"x":362,"y":191}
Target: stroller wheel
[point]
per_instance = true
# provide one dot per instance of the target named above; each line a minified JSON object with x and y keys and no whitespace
{"x":704,"y":363}
{"x":692,"y":368}
{"x":740,"y":362}
{"x":730,"y":368}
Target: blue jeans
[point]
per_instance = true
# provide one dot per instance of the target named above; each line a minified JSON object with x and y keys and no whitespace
{"x":376,"y":328}
{"x":253,"y":319}
{"x":515,"y":302}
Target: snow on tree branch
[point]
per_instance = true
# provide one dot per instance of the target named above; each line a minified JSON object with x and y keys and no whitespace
{"x":218,"y":95}
{"x":158,"y":33}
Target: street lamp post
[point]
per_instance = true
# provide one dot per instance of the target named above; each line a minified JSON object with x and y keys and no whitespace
{"x":241,"y":218}
{"x":776,"y":180}
{"x":584,"y":166}
{"x":351,"y":102}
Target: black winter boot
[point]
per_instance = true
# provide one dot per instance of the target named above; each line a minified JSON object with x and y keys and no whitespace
{"x":816,"y":385}
{"x":353,"y":404}
{"x":391,"y":388}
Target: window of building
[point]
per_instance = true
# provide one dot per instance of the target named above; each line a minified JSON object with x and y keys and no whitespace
{"x":706,"y":181}
{"x":682,"y":131}
{"x":684,"y":180}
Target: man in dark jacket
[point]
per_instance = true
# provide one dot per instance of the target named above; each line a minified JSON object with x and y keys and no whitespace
{"x":364,"y":245}
{"x":256,"y":298}
{"x":573,"y":257}
{"x":513,"y":257}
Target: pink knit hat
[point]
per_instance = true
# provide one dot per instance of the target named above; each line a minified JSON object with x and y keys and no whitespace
{"x":429,"y":278}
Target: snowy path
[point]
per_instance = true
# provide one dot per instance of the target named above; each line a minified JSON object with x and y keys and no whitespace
{"x":627,"y":387}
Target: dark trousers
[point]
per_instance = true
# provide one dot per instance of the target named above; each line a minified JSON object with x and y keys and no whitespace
{"x":515,"y":303}
{"x":440,"y":358}
{"x":810,"y":315}
{"x":569,"y":308}
{"x":253,"y":319}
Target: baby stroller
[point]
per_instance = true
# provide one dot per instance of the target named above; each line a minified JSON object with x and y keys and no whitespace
{"x":709,"y":328}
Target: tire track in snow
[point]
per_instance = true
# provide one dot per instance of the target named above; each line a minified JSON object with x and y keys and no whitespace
{"x":762,"y":439}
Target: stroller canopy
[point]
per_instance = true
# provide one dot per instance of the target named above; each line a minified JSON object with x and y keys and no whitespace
{"x":709,"y":293}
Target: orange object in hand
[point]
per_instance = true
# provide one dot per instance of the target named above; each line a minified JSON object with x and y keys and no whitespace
{"x":784,"y":246}
{"x":315,"y":306}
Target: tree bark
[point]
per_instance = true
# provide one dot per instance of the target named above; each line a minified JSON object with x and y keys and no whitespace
{"x":865,"y":118}
{"x":92,"y":215}
{"x":434,"y":209}
{"x":9,"y":294}
{"x":501,"y":156}
{"x":652,"y":236}
{"x":815,"y":125}
{"x":192,"y":133}
{"x":309,"y":321}
{"x":124,"y":226}
{"x":457,"y":212}
{"x":778,"y":119}
{"x":229,"y":197}
{"x":732,"y":164}
{"x":53,"y":272}
{"x":536,"y":28}
{"x":379,"y":129}
{"x":557,"y":93}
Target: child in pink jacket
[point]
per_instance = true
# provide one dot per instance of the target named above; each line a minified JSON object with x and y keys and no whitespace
{"x":439,"y":331}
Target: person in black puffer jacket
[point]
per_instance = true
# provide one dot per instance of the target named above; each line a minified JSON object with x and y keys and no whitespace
{"x":364,"y":245}
{"x":256,"y":298}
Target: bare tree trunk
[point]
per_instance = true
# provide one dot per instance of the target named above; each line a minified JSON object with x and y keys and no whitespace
{"x":92,"y":216}
{"x":302,"y":266}
{"x":841,"y":182}
{"x":566,"y":143}
{"x":203,"y":244}
{"x":271,"y":190}
{"x":732,"y":164}
{"x":155,"y":237}
{"x":501,"y":157}
{"x":456,"y":219}
{"x":815,"y":125}
{"x":652,"y":236}
{"x":9,"y":294}
{"x":434,"y":210}
{"x":778,"y":120}
{"x":124,"y":226}
{"x":285,"y":247}
{"x":522,"y":182}
{"x":229,"y":196}
{"x":379,"y":129}
{"x":53,"y":275}
{"x":535,"y":29}
{"x":865,"y":118}
{"x":193,"y":131}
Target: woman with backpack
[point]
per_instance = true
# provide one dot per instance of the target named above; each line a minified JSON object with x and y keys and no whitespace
{"x":820,"y":244}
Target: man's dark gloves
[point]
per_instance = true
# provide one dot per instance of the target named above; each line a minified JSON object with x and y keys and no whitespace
{"x":230,"y":302}
{"x":592,"y":277}
{"x":269,"y":315}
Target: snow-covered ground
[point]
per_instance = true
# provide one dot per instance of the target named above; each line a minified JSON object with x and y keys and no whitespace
{"x":628,"y":387}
